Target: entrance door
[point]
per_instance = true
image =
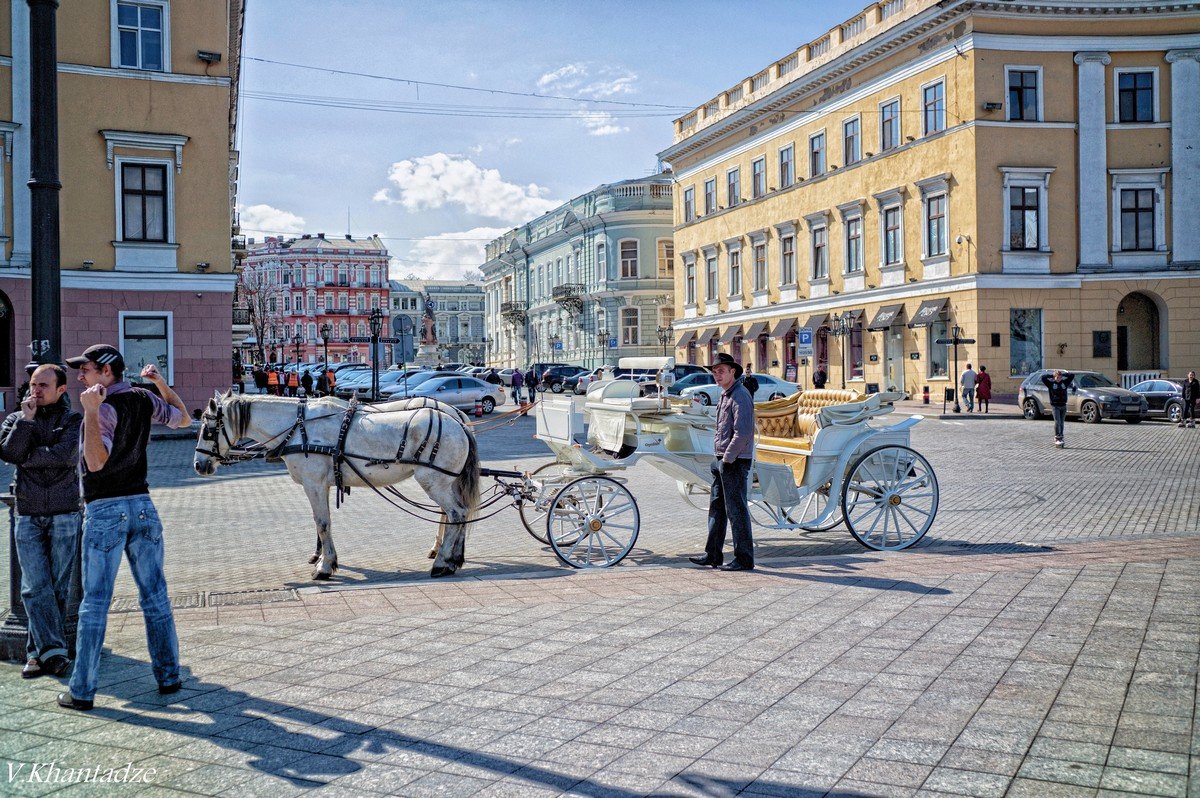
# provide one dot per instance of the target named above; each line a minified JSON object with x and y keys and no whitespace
{"x":893,"y":367}
{"x":1122,"y":348}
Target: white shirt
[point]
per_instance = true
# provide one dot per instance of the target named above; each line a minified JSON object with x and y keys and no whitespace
{"x":967,"y":380}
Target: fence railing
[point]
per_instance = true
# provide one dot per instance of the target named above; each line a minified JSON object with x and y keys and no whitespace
{"x":1132,"y":378}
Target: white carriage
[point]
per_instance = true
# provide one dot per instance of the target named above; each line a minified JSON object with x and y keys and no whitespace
{"x":819,"y":461}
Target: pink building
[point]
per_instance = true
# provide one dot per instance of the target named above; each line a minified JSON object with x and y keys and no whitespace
{"x":293,"y":287}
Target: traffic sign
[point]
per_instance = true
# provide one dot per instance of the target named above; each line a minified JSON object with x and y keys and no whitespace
{"x":612,"y":343}
{"x":359,"y":339}
{"x":804,"y":342}
{"x":389,"y":340}
{"x":956,"y":341}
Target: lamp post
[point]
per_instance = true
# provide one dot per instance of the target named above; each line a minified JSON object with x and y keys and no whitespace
{"x":485,"y":341}
{"x":326,"y":332}
{"x":376,"y":322}
{"x":665,"y":334}
{"x":296,"y":341}
{"x":841,"y":329}
{"x":601,"y":342}
{"x":956,"y":339}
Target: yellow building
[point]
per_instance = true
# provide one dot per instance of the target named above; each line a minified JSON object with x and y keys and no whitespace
{"x":146,"y":113}
{"x":1029,"y":173}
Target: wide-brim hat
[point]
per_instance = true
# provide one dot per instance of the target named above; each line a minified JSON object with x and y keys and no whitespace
{"x":725,"y":359}
{"x":101,"y":355}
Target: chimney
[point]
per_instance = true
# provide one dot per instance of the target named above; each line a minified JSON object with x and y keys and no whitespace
{"x":321,"y":236}
{"x":348,"y":238}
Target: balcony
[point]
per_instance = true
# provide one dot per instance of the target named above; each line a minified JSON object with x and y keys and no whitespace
{"x":514,"y":312}
{"x":237,"y":244}
{"x":569,"y":296}
{"x":241,"y":316}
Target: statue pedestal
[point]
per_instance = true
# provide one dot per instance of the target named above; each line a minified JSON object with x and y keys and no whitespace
{"x":426,"y":355}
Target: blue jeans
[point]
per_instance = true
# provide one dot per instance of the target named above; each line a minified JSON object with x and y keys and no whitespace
{"x":1060,"y":418}
{"x":968,"y":396}
{"x":727,"y":508}
{"x":46,"y":547}
{"x":110,"y":525}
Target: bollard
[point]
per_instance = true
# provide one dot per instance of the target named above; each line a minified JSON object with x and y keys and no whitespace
{"x":478,"y":408}
{"x":925,"y":396}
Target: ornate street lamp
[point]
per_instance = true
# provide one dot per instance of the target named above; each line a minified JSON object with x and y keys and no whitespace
{"x":326,"y":332}
{"x":665,"y":335}
{"x":375,"y":320}
{"x":841,"y":328}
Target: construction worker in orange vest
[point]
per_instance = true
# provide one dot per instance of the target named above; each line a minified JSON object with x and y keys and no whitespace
{"x":329,"y":376}
{"x":293,"y":383}
{"x":273,"y":382}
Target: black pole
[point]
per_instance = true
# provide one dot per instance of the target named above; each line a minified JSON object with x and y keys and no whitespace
{"x":43,"y":183}
{"x":957,"y":406}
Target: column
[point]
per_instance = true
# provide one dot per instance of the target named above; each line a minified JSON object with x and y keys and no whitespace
{"x":1093,"y":163}
{"x":1185,"y":157}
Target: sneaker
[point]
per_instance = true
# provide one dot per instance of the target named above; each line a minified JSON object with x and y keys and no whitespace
{"x":1059,"y":444}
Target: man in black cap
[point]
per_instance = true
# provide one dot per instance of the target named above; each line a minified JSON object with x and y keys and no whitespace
{"x":733,"y":447}
{"x":119,"y":516}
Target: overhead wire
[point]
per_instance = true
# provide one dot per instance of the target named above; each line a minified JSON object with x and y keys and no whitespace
{"x":443,"y":109}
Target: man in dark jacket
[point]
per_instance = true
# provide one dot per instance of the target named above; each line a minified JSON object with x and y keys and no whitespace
{"x":1191,"y":395}
{"x":820,"y":378}
{"x":750,"y":382}
{"x":531,"y":382}
{"x":493,"y":378}
{"x":42,"y":441}
{"x":1059,"y":385}
{"x":306,"y":382}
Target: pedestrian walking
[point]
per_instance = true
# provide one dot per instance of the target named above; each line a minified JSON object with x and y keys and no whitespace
{"x":42,"y":441}
{"x":531,"y":384}
{"x":1059,"y":385}
{"x":1191,"y":395}
{"x":820,"y":378}
{"x":293,"y":383}
{"x":966,"y":381}
{"x":518,"y":380}
{"x":322,"y":384}
{"x":260,"y":379}
{"x":751,"y":382}
{"x":331,"y":378}
{"x":733,"y":445}
{"x":306,"y":382}
{"x":119,"y":516}
{"x":983,"y":388}
{"x":493,"y":378}
{"x":273,"y":382}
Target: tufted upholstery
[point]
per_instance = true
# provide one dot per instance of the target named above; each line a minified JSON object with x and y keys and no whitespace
{"x":796,"y":416}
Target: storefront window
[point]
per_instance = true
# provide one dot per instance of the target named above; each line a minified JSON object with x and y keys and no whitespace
{"x":145,"y":341}
{"x":856,"y":351}
{"x":939,"y":354}
{"x":1025,"y":340}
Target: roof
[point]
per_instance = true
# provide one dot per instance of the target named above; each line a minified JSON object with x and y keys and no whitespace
{"x":319,"y":243}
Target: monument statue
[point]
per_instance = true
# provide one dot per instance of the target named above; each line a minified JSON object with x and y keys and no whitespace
{"x":428,"y":335}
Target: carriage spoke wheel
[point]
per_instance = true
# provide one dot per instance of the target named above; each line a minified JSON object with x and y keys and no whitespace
{"x":890,"y":498}
{"x":548,"y":478}
{"x":593,"y":522}
{"x":804,"y":514}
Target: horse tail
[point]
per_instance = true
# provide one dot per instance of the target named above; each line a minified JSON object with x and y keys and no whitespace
{"x":466,"y":485}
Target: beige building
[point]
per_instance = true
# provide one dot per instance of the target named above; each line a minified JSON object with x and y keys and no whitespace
{"x":1028,"y":173}
{"x":146,"y":114}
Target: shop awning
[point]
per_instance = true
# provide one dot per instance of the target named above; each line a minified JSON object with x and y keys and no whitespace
{"x":731,"y":333}
{"x":782,"y":328}
{"x":685,"y":339}
{"x":853,"y":315}
{"x":885,"y":317}
{"x":929,"y":312}
{"x":756,"y":329}
{"x":817,"y":321}
{"x":707,"y":336}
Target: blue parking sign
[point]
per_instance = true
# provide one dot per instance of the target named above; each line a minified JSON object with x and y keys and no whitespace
{"x":804,"y":342}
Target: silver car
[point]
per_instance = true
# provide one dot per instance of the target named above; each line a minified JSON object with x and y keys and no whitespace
{"x":1092,"y":397}
{"x":462,"y":392}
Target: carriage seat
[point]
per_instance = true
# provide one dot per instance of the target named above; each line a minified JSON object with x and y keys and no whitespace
{"x":793,"y":421}
{"x":608,"y":395}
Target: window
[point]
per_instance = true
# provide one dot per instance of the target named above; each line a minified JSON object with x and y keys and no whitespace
{"x":856,"y":349}
{"x":938,"y":354}
{"x":1023,"y":95}
{"x":666,"y":258}
{"x":1137,"y":219}
{"x":733,"y":187}
{"x":816,"y":154}
{"x":143,"y":202}
{"x":287,"y":303}
{"x":1024,"y":209}
{"x":689,"y":281}
{"x":760,"y":267}
{"x":629,"y":259}
{"x":933,"y":107}
{"x":935,"y":225}
{"x":758,"y":177}
{"x":629,"y":327}
{"x":735,"y":272}
{"x":710,"y":196}
{"x":820,"y":252}
{"x":889,"y":125}
{"x":375,"y":302}
{"x":1135,"y":96}
{"x":1025,"y":341}
{"x":362,"y":303}
{"x":787,"y":259}
{"x":787,"y":166}
{"x":141,"y":36}
{"x":689,"y":207}
{"x":854,"y":249}
{"x":710,"y":277}
{"x":145,"y":340}
{"x":893,"y":235}
{"x":851,"y":141}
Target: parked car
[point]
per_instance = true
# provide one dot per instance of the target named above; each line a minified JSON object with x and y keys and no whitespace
{"x":362,"y":388}
{"x":1092,"y":397}
{"x":407,"y":386}
{"x":769,"y":388}
{"x":1164,"y":398}
{"x":506,"y":376}
{"x":461,"y":391}
{"x":555,"y":378}
{"x":540,"y":368}
{"x":347,"y":383}
{"x":691,"y":381}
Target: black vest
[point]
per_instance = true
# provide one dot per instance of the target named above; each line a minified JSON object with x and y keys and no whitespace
{"x":125,"y":472}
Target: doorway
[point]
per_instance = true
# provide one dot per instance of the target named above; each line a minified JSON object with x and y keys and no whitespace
{"x":893,"y":358}
{"x":1139,"y":330}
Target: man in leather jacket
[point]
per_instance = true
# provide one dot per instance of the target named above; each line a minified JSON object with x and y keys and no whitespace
{"x":1059,"y":385}
{"x":42,"y":441}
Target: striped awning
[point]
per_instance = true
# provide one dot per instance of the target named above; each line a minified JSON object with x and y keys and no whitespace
{"x":731,"y":333}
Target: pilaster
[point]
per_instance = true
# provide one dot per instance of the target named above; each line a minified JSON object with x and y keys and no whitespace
{"x":1093,"y":162}
{"x":1185,"y":157}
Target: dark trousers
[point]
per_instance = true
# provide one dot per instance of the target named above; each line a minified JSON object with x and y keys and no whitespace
{"x":1060,"y":417}
{"x":727,"y":507}
{"x":1189,"y":411}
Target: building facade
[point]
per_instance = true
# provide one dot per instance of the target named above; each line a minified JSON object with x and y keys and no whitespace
{"x":293,"y":287}
{"x":147,"y":92}
{"x":586,"y":283}
{"x":457,"y":308}
{"x":1025,"y":174}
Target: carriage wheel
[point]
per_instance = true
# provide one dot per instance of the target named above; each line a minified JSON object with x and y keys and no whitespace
{"x":694,"y":494}
{"x":890,"y":498}
{"x":593,"y":522}
{"x":549,"y":477}
{"x":803,"y":514}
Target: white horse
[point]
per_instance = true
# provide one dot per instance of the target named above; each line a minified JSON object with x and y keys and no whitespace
{"x":381,"y":447}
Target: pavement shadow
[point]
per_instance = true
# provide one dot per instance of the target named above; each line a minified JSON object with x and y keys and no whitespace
{"x":714,"y":787}
{"x":871,"y":582}
{"x":305,"y":747}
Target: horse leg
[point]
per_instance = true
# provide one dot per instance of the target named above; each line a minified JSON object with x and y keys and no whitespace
{"x":318,"y":497}
{"x":439,"y":486}
{"x":441,"y":537}
{"x":316,"y":555}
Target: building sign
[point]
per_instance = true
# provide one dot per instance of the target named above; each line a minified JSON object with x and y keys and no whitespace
{"x":804,"y":342}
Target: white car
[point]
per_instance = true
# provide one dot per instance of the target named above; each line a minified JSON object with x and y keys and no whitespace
{"x":768,"y":388}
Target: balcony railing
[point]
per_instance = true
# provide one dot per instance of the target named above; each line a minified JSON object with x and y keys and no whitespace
{"x":515,"y":311}
{"x":241,"y":315}
{"x":569,"y":296}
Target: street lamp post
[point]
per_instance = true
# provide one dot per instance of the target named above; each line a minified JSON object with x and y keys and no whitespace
{"x":665,"y":334}
{"x":376,"y":322}
{"x":957,"y":339}
{"x":296,"y":341}
{"x":326,"y":332}
{"x":841,"y":329}
{"x":601,"y":342}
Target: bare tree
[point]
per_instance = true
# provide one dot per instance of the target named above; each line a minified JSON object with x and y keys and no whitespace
{"x":265,"y":302}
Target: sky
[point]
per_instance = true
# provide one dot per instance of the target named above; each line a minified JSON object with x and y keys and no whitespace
{"x":437,"y":171}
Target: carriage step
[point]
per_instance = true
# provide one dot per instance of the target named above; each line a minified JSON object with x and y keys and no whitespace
{"x":190,"y":601}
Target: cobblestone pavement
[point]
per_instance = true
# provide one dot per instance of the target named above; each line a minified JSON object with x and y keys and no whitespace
{"x":1002,"y":482}
{"x":1060,"y":672}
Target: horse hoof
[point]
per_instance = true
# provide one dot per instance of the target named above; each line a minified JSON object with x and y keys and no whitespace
{"x":442,"y":570}
{"x":321,"y":576}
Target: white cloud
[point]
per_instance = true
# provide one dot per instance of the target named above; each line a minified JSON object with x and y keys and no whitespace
{"x":588,"y":80}
{"x":448,"y":255}
{"x":434,"y":181}
{"x":598,"y":123}
{"x":261,"y":221}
